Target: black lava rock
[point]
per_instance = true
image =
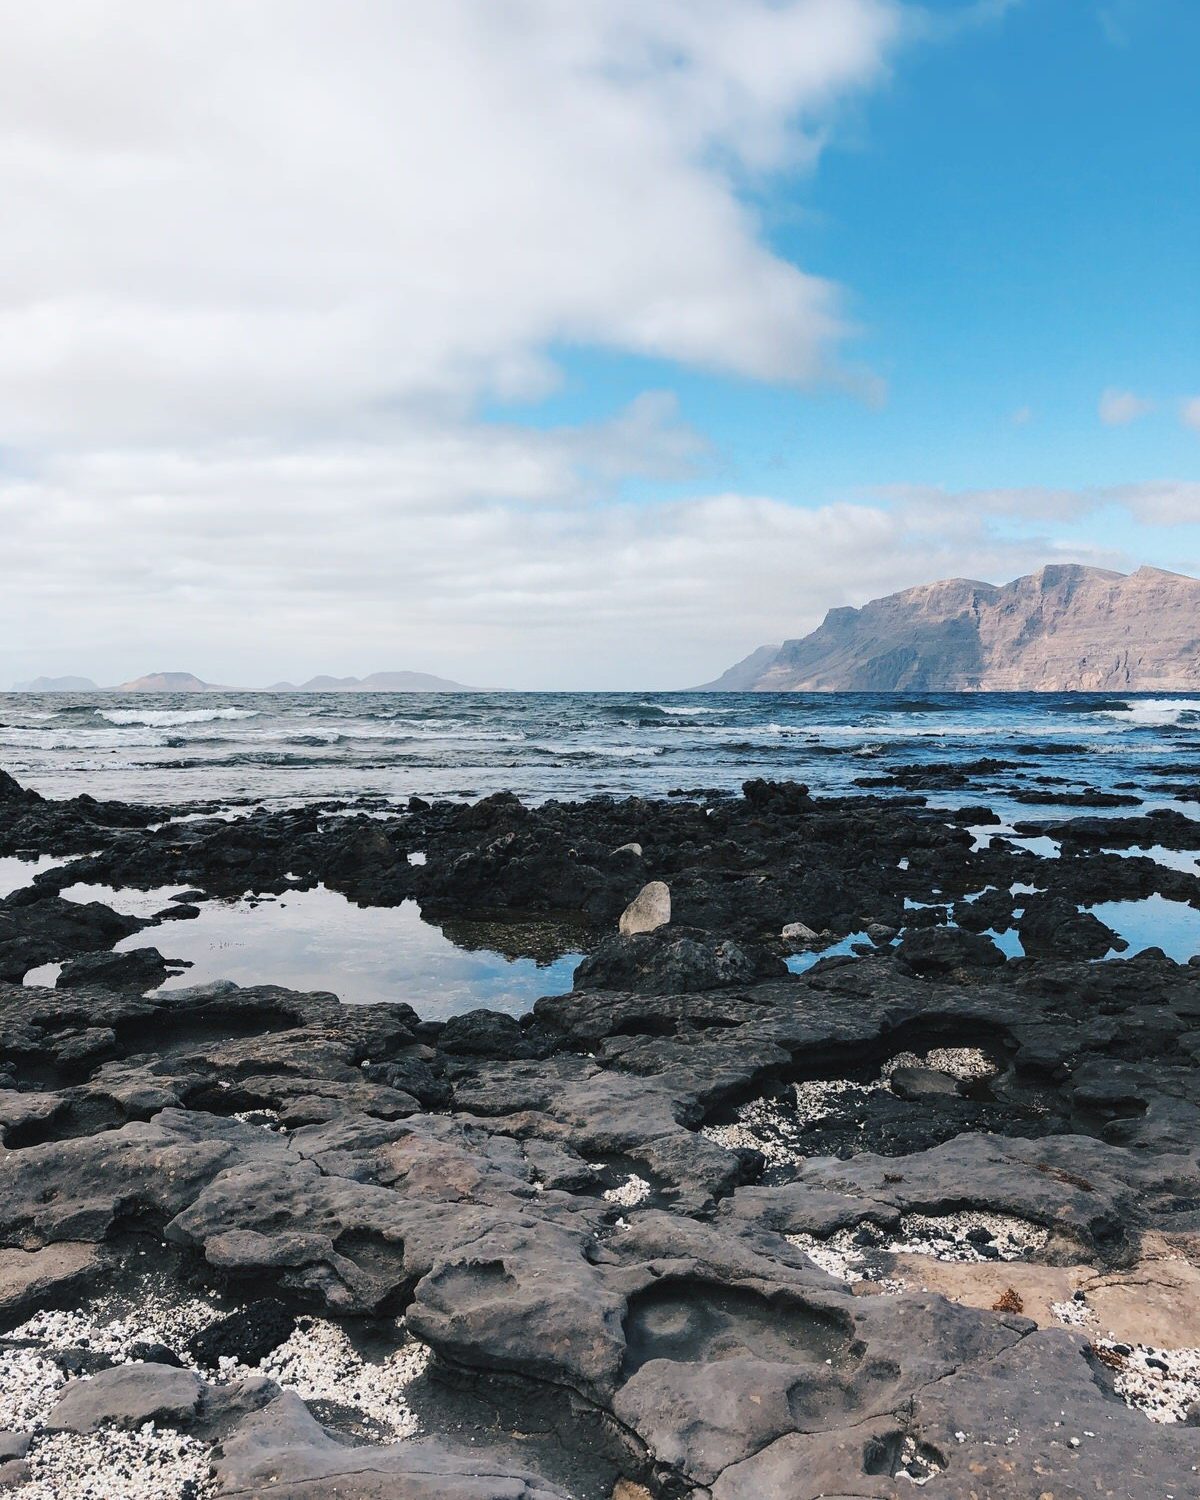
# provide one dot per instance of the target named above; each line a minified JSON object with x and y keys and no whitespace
{"x":247,"y":1336}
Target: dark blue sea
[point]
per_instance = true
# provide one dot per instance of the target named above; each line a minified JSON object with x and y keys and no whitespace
{"x":267,"y":748}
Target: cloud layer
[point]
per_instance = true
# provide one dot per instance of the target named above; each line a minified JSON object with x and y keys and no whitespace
{"x":240,"y":218}
{"x":268,"y":268}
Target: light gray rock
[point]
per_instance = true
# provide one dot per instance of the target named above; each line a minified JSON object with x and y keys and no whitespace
{"x":13,"y":1472}
{"x":798,"y":935}
{"x":33,"y":1279}
{"x":127,"y":1396}
{"x":650,"y":908}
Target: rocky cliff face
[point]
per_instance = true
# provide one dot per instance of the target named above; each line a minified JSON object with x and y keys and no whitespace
{"x":1064,"y":628}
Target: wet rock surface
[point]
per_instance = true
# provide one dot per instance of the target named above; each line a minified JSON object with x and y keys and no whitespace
{"x":702,"y":1225}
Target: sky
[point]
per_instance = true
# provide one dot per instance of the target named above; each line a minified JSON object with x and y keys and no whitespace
{"x":578,"y":345}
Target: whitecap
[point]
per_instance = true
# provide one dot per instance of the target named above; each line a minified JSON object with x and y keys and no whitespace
{"x":1153,"y":713}
{"x":166,"y":717}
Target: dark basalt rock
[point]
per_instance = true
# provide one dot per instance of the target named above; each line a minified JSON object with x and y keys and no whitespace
{"x":484,"y":1033}
{"x":138,"y":969}
{"x":11,"y":791}
{"x":1052,"y":927}
{"x":38,"y":929}
{"x":673,"y":960}
{"x":942,"y":951}
{"x":248,"y":1335}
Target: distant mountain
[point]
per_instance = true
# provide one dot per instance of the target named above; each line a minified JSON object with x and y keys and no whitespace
{"x":743,"y":676}
{"x":168,"y":682}
{"x":56,"y":685}
{"x":377,"y":682}
{"x":1065,"y":628}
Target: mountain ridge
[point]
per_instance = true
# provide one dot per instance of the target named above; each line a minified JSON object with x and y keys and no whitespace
{"x":169,"y":682}
{"x":1066,"y":628}
{"x":376,"y":682}
{"x":56,"y":685}
{"x":188,"y":682}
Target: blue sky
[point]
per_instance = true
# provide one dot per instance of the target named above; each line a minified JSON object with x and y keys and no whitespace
{"x":1016,"y":217}
{"x":581,"y":346}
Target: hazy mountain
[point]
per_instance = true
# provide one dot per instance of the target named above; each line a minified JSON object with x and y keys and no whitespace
{"x":168,"y":682}
{"x":743,"y":676}
{"x":1064,"y":628}
{"x":56,"y":685}
{"x":377,"y":682}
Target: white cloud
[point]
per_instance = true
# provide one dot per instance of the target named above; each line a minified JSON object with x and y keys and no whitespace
{"x":475,"y":553}
{"x":1022,"y":416}
{"x":1163,"y":503}
{"x":265,"y":265}
{"x":1189,"y":412}
{"x":1119,"y":408}
{"x":230,"y":218}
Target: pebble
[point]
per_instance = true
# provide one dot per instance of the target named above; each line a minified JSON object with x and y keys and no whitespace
{"x":1163,"y":1384}
{"x":770,"y":1125}
{"x":154,"y":1463}
{"x":630,"y":1193}
{"x":320,"y":1363}
{"x":956,"y":1238}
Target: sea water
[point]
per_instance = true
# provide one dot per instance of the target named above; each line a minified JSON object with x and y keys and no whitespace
{"x":241,"y":749}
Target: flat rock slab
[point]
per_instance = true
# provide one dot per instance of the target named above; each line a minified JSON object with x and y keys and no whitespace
{"x":32,"y":1279}
{"x":127,"y":1396}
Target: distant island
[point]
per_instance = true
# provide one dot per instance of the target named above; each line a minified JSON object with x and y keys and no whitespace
{"x":1065,"y":628}
{"x":377,"y":682}
{"x":57,"y":685}
{"x":169,"y":682}
{"x":188,"y":682}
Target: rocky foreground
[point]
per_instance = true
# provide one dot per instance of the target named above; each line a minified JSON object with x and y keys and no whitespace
{"x":919,"y":1217}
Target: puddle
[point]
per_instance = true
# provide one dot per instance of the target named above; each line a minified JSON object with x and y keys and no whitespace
{"x":1185,"y":860}
{"x":1043,"y":846}
{"x":983,"y":835}
{"x":128,"y":901}
{"x":317,"y":940}
{"x":45,"y":976}
{"x":1008,"y":941}
{"x":16,"y":873}
{"x":1153,"y":922}
{"x":799,"y":962}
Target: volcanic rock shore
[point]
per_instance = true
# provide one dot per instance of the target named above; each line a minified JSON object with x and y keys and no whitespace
{"x":918,"y":1217}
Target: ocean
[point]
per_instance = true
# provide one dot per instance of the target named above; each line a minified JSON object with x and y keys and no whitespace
{"x":240,"y":748}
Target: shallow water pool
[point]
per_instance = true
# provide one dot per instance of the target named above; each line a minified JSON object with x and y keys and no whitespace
{"x":1153,"y":922}
{"x":317,"y":940}
{"x":16,"y":873}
